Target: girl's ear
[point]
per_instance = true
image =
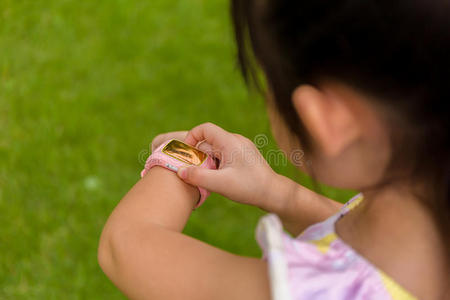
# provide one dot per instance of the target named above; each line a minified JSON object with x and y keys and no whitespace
{"x":329,"y":119}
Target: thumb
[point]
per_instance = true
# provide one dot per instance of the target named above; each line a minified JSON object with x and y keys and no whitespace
{"x":205,"y":178}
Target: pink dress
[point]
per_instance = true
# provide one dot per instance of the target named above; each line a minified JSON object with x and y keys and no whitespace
{"x":319,"y":265}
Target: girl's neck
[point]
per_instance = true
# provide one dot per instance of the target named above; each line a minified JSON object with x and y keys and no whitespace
{"x":393,"y":230}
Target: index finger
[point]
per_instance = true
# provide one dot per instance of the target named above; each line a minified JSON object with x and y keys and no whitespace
{"x":215,"y":136}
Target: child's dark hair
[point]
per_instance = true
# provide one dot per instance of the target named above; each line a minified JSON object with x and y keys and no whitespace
{"x":397,"y":52}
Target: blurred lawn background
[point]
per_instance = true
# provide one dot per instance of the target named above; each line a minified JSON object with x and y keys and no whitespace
{"x":84,"y":87}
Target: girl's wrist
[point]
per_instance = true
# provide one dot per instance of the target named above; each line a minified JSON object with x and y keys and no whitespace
{"x":278,"y":195}
{"x":168,"y":201}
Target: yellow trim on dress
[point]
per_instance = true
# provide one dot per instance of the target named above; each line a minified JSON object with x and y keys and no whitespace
{"x":355,"y":203}
{"x":323,"y":245}
{"x":396,"y":291}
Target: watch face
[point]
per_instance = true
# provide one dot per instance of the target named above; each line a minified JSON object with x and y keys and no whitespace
{"x":184,"y":152}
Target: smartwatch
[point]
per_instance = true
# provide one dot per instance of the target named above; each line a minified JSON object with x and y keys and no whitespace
{"x":175,"y":154}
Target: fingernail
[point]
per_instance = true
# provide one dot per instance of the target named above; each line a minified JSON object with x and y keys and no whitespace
{"x":182,"y":173}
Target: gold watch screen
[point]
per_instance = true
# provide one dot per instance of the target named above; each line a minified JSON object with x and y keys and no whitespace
{"x":184,"y":152}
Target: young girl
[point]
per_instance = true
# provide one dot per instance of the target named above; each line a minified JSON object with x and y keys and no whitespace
{"x":362,"y":87}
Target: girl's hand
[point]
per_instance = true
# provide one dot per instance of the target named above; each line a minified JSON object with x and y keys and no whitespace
{"x":245,"y":177}
{"x":243,"y":174}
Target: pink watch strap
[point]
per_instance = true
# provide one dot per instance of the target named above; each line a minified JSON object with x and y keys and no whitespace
{"x":158,"y":158}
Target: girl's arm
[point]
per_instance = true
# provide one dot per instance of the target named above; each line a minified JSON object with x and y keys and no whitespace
{"x":143,"y":252}
{"x":297,"y":206}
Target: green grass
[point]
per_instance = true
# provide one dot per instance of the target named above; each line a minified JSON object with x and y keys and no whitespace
{"x":84,"y":86}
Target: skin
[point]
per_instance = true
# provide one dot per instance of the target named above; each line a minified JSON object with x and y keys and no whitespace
{"x":143,"y":251}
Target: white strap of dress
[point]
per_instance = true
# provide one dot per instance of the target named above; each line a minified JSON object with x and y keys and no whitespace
{"x":269,"y":233}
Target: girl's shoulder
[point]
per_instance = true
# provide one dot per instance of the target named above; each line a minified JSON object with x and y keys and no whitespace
{"x":319,"y":265}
